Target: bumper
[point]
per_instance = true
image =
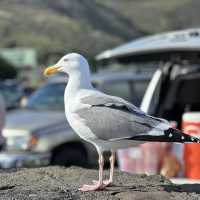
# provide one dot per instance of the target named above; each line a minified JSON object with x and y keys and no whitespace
{"x":23,"y":159}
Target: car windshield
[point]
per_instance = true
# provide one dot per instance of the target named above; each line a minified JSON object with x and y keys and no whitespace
{"x":50,"y":96}
{"x":47,"y":97}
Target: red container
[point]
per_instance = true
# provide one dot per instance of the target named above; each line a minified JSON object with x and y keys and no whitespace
{"x":191,"y":126}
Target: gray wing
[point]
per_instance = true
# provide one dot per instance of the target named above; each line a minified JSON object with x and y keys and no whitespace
{"x":112,"y":118}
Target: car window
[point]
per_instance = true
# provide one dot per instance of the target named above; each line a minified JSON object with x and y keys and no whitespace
{"x":118,"y":88}
{"x":47,"y":97}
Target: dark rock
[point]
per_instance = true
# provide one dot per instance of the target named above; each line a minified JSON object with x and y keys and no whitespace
{"x":63,"y":183}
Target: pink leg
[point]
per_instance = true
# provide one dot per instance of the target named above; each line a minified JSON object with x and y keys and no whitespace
{"x":98,"y":185}
{"x":112,"y":165}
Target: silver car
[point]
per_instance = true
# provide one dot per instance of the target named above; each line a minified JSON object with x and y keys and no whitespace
{"x":39,"y":134}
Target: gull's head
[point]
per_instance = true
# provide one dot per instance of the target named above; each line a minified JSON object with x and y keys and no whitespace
{"x":68,"y":64}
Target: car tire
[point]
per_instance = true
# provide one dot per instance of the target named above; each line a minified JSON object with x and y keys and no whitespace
{"x":67,"y":156}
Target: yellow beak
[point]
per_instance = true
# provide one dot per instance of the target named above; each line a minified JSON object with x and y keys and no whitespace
{"x":51,"y":70}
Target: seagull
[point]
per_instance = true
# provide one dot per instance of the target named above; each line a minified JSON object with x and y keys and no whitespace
{"x":107,"y":122}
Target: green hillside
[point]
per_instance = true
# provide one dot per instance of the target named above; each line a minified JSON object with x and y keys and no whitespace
{"x":89,"y":26}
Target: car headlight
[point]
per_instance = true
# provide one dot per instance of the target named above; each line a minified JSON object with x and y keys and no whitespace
{"x":21,"y":142}
{"x":17,"y":142}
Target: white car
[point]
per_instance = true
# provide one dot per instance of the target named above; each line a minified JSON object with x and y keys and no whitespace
{"x":39,"y":134}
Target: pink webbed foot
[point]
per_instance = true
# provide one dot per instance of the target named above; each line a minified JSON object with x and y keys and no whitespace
{"x":96,"y":186}
{"x":105,"y":182}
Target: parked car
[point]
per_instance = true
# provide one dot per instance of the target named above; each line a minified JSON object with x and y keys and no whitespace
{"x":173,"y":94}
{"x":39,"y":133}
{"x":174,"y":86}
{"x":12,"y":92}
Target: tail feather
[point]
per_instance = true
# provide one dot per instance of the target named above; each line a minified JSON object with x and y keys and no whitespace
{"x":170,"y":135}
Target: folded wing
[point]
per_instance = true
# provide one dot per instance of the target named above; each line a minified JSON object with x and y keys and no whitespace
{"x":112,"y":118}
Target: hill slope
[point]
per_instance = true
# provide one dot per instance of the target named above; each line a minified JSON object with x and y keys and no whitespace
{"x":89,"y":26}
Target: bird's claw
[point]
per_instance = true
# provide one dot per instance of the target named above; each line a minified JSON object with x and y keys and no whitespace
{"x":96,"y":186}
{"x":105,"y":182}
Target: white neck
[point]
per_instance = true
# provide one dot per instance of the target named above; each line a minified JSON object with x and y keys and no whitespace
{"x":77,"y":81}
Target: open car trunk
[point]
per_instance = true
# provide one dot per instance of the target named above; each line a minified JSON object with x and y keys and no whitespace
{"x":179,"y":92}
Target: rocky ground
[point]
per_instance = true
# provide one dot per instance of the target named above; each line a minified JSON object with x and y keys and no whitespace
{"x":62,"y":183}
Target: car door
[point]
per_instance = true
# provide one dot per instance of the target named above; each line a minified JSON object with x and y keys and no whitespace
{"x":151,"y":96}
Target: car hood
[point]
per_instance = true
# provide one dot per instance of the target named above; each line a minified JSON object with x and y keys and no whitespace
{"x":34,"y":120}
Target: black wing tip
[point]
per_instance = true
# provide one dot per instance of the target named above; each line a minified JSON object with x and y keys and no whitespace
{"x":170,"y":135}
{"x":180,"y":137}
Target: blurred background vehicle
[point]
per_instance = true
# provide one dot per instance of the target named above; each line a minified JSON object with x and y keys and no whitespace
{"x":176,"y":57}
{"x":12,"y":92}
{"x":172,"y":94}
{"x":38,"y":134}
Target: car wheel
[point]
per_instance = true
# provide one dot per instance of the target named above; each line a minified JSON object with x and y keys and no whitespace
{"x":67,"y":156}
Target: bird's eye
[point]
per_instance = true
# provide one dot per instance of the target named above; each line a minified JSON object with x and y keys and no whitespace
{"x":66,"y":59}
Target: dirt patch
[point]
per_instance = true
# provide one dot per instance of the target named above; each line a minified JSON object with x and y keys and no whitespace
{"x":63,"y":183}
